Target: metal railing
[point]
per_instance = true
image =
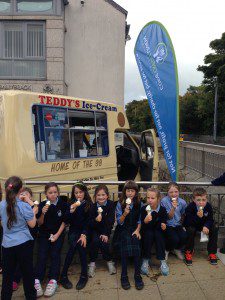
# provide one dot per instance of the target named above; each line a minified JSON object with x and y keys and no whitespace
{"x":216,"y":199}
{"x":206,"y":159}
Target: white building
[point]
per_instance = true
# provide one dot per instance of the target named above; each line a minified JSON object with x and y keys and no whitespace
{"x":74,"y":47}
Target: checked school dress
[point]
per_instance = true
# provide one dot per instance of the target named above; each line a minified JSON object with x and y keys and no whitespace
{"x":125,"y":243}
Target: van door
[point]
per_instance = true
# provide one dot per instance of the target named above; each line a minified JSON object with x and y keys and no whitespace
{"x":149,"y":161}
{"x":128,"y":157}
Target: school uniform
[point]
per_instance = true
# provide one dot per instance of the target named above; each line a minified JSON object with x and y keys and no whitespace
{"x":101,"y":228}
{"x":34,"y":232}
{"x":17,"y":248}
{"x":128,"y":244}
{"x":53,"y":219}
{"x":153,"y":233}
{"x":78,"y":221}
{"x":194,"y":223}
{"x":175,"y":234}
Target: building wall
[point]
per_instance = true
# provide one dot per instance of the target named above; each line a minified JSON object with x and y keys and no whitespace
{"x":95,"y":51}
{"x":55,"y":81}
{"x":85,"y":52}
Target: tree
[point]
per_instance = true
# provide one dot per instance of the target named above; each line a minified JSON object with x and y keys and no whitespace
{"x":196,"y":111}
{"x":215,"y":68}
{"x":214,"y":65}
{"x":139,"y":115}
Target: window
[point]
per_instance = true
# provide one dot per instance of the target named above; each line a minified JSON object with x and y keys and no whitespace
{"x":22,"y":51}
{"x":31,"y":7}
{"x":61,"y":133}
{"x":34,"y":6}
{"x":5,"y":6}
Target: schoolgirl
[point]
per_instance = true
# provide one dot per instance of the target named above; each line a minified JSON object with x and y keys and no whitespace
{"x":101,"y":223}
{"x":128,"y":232}
{"x":78,"y":217}
{"x":17,"y":246}
{"x":175,"y":234}
{"x":51,"y":214}
{"x":153,"y":225}
{"x":26,"y":196}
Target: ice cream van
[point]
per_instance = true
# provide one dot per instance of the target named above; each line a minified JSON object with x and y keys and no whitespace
{"x":56,"y":138}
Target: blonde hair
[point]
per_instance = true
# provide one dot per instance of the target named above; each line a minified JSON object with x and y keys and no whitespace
{"x":156,"y":191}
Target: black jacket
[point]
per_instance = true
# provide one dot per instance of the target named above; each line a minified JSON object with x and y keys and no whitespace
{"x":108,"y":219}
{"x":78,"y":220}
{"x":192,"y":219}
{"x":219,"y":180}
{"x":157,"y":218}
{"x":53,"y":217}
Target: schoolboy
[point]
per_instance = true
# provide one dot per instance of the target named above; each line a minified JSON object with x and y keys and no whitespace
{"x":199,"y":217}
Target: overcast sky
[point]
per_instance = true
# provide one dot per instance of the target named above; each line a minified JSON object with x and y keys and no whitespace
{"x":192,"y":25}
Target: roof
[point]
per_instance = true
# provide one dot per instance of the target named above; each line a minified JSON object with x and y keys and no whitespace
{"x":117,"y":6}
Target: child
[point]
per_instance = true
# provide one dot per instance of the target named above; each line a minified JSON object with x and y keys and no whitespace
{"x":153,"y":223}
{"x":26,"y":196}
{"x":78,"y":216}
{"x":101,"y":223}
{"x":199,"y":217}
{"x":17,"y":241}
{"x":175,"y":208}
{"x":128,"y":232}
{"x":51,"y":226}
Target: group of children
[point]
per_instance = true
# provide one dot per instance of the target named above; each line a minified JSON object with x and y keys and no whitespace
{"x":168,"y":223}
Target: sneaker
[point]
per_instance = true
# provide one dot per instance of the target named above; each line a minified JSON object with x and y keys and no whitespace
{"x":144,"y":267}
{"x":125,"y":283}
{"x":91,"y":270}
{"x":38,"y":288}
{"x":51,"y":288}
{"x":166,"y":255}
{"x":139,"y":284}
{"x":15,"y":286}
{"x":213,"y":259}
{"x":81,"y":283}
{"x":188,"y":257}
{"x":164,"y":268}
{"x":66,"y":283}
{"x":179,"y":254}
{"x":111,"y":267}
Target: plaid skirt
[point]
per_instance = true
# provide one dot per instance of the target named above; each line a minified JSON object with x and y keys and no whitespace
{"x":124,"y":244}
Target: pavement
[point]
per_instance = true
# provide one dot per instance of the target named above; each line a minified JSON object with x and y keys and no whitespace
{"x":200,"y":281}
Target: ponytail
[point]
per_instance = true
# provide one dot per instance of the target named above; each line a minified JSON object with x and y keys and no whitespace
{"x":12,"y":187}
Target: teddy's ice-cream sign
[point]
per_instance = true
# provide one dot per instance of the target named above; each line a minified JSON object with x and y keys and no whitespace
{"x":66,"y":102}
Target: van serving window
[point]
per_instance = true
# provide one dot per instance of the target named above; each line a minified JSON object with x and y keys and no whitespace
{"x":62,"y":134}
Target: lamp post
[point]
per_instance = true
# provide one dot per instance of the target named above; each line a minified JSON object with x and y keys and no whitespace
{"x":215,"y":109}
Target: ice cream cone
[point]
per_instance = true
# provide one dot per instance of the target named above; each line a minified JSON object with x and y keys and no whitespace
{"x":148,"y":209}
{"x":36,"y":203}
{"x":100,"y":210}
{"x":128,"y":202}
{"x":78,"y":203}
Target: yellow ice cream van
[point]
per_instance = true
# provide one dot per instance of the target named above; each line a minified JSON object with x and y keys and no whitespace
{"x":55,"y":138}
